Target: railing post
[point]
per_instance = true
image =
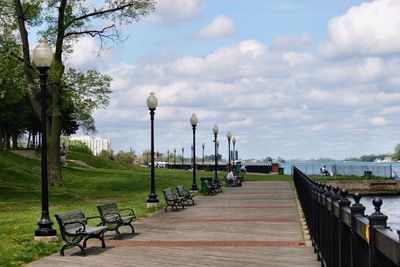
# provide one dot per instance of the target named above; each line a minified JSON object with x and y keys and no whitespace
{"x":376,"y":219}
{"x":343,"y":247}
{"x":356,"y":209}
{"x":333,"y":260}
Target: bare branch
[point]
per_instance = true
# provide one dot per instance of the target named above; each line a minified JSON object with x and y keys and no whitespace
{"x":92,"y":33}
{"x":98,"y":13}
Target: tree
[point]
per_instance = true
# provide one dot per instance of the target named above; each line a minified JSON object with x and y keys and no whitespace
{"x":15,"y":109}
{"x":397,"y":152}
{"x":65,"y":21}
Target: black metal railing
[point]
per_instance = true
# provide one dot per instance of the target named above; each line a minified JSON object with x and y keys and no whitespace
{"x":342,"y":235}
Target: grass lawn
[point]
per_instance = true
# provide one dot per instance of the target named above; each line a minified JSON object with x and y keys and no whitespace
{"x":84,"y":188}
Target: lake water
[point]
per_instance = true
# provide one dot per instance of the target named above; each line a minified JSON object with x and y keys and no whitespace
{"x":390,"y":207}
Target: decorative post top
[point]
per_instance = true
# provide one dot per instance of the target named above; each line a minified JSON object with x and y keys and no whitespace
{"x":377,"y":218}
{"x":357,"y":207}
{"x":377,"y":202}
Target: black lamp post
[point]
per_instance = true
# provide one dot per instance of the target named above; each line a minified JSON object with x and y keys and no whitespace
{"x":234,"y":154}
{"x":229,"y":136}
{"x":193,"y":122}
{"x":168,"y":157}
{"x":41,"y":58}
{"x":174,"y":158}
{"x":152,"y":201}
{"x":203,"y":145}
{"x":182,"y":155}
{"x":215,"y":130}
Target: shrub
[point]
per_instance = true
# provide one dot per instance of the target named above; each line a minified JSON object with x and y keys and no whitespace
{"x":79,"y":146}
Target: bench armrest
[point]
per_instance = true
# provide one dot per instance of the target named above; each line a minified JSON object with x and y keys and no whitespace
{"x":131,"y":212}
{"x":77,"y":231}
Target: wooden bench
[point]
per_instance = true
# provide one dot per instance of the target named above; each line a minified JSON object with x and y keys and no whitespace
{"x":210,"y":188}
{"x":74,"y":228}
{"x":217,"y":185}
{"x":113,"y":217}
{"x":186,"y":195}
{"x":172,"y":200}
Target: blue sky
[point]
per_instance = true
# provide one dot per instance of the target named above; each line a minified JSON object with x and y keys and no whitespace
{"x":295,"y":79}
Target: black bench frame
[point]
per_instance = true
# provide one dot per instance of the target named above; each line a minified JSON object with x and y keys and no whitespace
{"x":186,"y":195}
{"x":113,"y":217}
{"x":210,"y":188}
{"x":172,"y":200}
{"x":74,"y":228}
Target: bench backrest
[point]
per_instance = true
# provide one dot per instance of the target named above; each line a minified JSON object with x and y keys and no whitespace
{"x":168,"y":194}
{"x":71,"y":216}
{"x":108,"y":211}
{"x":181,"y":191}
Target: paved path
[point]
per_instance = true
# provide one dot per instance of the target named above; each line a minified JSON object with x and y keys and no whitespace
{"x":254,"y":225}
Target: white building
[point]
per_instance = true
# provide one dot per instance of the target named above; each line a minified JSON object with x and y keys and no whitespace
{"x":96,"y":144}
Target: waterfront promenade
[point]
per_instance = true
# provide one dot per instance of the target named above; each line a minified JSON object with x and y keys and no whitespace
{"x":254,"y":225}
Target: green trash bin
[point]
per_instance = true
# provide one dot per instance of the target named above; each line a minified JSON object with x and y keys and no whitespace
{"x":281,"y":171}
{"x":203,"y":187}
{"x":368,"y":174}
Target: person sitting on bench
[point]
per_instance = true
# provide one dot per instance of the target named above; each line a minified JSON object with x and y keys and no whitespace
{"x":233,"y":178}
{"x":324,"y":171}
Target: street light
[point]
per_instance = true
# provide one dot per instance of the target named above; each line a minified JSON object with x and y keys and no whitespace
{"x":41,"y":58}
{"x":234,"y":155}
{"x":182,"y":156}
{"x":215,"y":131}
{"x":193,"y":122}
{"x":174,"y":158}
{"x":152,"y":201}
{"x":229,"y":136}
{"x":203,"y":145}
{"x":168,"y":157}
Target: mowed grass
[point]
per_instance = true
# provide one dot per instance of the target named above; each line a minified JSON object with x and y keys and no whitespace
{"x":84,"y":188}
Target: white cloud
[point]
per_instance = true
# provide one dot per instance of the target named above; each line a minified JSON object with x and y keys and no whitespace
{"x":270,"y":97}
{"x":221,"y":26}
{"x":369,"y":29}
{"x":291,"y":42}
{"x":171,"y":12}
{"x":87,"y":53}
{"x":378,"y":121}
{"x":296,"y":58}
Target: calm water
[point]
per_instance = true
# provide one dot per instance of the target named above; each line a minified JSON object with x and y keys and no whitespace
{"x":390,"y":207}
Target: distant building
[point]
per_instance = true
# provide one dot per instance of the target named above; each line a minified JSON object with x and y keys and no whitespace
{"x":95,"y":144}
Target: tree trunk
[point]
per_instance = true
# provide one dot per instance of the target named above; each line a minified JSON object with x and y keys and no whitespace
{"x":54,"y":132}
{"x":7,"y":140}
{"x":29,"y":140}
{"x":14,"y":137}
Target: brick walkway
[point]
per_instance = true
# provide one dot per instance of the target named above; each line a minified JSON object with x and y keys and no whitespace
{"x":254,"y":225}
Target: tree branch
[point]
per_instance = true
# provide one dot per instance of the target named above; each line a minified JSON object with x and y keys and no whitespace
{"x":92,"y":33}
{"x":98,"y":13}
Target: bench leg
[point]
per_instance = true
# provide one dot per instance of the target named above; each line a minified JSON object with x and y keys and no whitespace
{"x":131,"y":226}
{"x":63,"y":248}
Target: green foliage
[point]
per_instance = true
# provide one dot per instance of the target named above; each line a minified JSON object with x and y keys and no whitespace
{"x":125,"y":157}
{"x":396,"y":154}
{"x":78,"y":146}
{"x":84,"y":188}
{"x":369,"y":158}
{"x":84,"y":92}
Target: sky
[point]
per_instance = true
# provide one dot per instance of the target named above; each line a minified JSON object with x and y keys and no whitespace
{"x":297,"y":79}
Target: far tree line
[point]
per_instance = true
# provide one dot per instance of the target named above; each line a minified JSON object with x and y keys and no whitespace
{"x":372,"y":157}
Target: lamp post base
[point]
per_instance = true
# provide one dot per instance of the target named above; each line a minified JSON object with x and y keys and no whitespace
{"x":194,"y":187}
{"x":150,"y":205}
{"x":46,"y":235}
{"x":46,"y":239}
